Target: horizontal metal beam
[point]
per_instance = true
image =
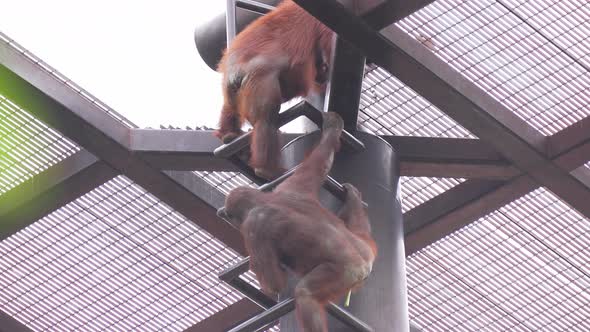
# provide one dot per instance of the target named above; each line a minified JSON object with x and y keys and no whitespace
{"x":60,"y":106}
{"x":449,"y":157}
{"x":51,"y":189}
{"x":184,"y":150}
{"x":179,"y":149}
{"x":456,"y":96}
{"x":473,"y":199}
{"x":419,"y":156}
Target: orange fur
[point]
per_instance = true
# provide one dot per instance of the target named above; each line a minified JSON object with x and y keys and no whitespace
{"x":271,"y":61}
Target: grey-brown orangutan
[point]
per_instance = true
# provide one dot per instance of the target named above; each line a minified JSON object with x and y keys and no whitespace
{"x":288,"y":227}
{"x":281,"y":55}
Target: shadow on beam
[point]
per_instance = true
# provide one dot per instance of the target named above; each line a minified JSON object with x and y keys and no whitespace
{"x":9,"y":324}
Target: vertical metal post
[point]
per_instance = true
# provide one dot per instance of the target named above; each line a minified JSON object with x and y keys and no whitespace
{"x":230,"y":20}
{"x":382,"y":301}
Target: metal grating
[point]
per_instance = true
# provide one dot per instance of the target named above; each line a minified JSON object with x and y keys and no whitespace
{"x":417,"y":190}
{"x":504,"y":53}
{"x":226,"y":181}
{"x":388,"y":107}
{"x":564,"y":22}
{"x":521,"y":268}
{"x":27,"y":146}
{"x":115,"y":259}
{"x":65,"y":81}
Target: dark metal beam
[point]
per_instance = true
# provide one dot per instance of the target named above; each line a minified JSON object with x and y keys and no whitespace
{"x":473,"y":199}
{"x":378,"y":14}
{"x":343,"y":94}
{"x":449,"y":157}
{"x":68,"y":111}
{"x":9,"y":324}
{"x":179,"y":149}
{"x":184,"y":150}
{"x":420,"y":156}
{"x":458,"y":97}
{"x":571,"y":142}
{"x":51,"y":189}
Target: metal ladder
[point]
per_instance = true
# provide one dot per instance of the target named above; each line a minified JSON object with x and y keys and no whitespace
{"x":231,"y":150}
{"x":273,"y":309}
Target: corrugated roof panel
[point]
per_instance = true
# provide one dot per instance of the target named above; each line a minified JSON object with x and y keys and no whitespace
{"x":64,"y":80}
{"x":560,"y":227}
{"x":441,"y":301}
{"x":505,"y":55}
{"x":564,"y":22}
{"x":115,"y":259}
{"x":417,"y":190}
{"x":226,"y":181}
{"x":388,"y":107}
{"x":521,"y":268}
{"x":27,"y":146}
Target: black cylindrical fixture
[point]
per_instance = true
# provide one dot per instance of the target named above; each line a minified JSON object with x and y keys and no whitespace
{"x":382,"y":301}
{"x":210,"y":37}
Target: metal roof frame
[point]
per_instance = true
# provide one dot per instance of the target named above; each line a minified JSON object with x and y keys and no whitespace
{"x":419,"y":156}
{"x":509,"y":160}
{"x":467,"y":202}
{"x":66,"y":110}
{"x":51,"y":189}
{"x":459,"y":98}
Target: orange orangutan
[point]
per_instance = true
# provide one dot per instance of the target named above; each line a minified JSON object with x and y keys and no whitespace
{"x":280,"y":56}
{"x":288,"y":228}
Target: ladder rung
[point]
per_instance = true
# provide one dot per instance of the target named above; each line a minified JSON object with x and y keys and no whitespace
{"x":266,"y":318}
{"x":275,"y":183}
{"x":254,"y":6}
{"x":235,"y":271}
{"x":337,"y":189}
{"x":347,"y":318}
{"x":252,"y":293}
{"x":301,"y":109}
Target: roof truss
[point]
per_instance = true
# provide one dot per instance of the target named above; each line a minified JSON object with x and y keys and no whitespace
{"x":463,"y":101}
{"x":509,"y":160}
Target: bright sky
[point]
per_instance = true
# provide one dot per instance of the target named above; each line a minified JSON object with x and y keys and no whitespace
{"x":137,"y":56}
